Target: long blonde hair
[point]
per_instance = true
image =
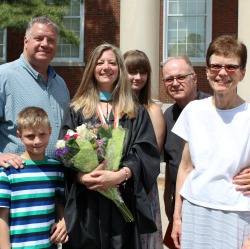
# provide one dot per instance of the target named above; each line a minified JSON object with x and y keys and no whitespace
{"x":87,"y":98}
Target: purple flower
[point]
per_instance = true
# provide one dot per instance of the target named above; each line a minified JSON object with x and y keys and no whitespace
{"x":65,"y":150}
{"x":100,"y":143}
{"x":99,"y":149}
{"x":59,"y":152}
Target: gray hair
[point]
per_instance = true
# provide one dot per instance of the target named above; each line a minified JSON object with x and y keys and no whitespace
{"x":181,"y":57}
{"x":44,"y":20}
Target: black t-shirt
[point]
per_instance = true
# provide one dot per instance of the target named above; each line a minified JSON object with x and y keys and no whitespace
{"x":174,"y":144}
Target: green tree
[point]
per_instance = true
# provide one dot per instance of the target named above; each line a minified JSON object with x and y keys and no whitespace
{"x":17,"y":13}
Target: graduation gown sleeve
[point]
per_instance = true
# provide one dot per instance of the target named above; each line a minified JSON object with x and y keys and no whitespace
{"x":141,"y":155}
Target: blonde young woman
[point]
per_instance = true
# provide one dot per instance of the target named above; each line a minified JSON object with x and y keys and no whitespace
{"x":93,"y":221}
{"x":139,"y":73}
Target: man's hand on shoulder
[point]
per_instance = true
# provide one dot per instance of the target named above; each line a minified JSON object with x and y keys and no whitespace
{"x":12,"y":159}
{"x":243,"y":181}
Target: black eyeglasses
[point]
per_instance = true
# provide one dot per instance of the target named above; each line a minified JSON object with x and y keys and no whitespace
{"x":228,"y":67}
{"x":180,"y":78}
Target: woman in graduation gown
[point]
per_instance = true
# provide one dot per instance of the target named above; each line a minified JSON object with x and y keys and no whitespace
{"x":105,"y":96}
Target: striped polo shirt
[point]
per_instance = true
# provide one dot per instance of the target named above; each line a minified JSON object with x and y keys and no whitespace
{"x":30,"y":194}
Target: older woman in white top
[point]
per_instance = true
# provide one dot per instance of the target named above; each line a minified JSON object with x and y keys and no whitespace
{"x":210,"y":210}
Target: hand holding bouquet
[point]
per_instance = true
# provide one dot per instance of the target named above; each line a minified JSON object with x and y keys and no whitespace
{"x":86,"y":148}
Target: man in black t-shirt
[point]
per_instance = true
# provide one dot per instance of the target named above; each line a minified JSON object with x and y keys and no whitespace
{"x":181,"y":84}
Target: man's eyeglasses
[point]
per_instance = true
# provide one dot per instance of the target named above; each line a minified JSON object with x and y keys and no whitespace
{"x":228,"y":67}
{"x":180,"y":78}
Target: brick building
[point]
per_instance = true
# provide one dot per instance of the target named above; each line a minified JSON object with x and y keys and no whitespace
{"x":97,"y":22}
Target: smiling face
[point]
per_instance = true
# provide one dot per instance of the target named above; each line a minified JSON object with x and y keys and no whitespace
{"x":106,"y":71}
{"x":138,"y":80}
{"x":179,"y":90}
{"x":35,"y":141}
{"x":224,"y":81}
{"x":40,"y":45}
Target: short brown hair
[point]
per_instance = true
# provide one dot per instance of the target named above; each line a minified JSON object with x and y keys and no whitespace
{"x":31,"y":117}
{"x":227,"y":45}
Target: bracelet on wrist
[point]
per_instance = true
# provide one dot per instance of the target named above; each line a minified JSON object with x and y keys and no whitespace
{"x":126,"y":178}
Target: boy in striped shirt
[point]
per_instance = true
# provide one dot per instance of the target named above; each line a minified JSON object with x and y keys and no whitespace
{"x":32,"y":197}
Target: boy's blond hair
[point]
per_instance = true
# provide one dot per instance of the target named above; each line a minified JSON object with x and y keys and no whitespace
{"x":32,"y":117}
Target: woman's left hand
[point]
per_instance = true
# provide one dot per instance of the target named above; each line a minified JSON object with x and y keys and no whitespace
{"x":101,"y":180}
{"x":243,"y":180}
{"x":104,"y":179}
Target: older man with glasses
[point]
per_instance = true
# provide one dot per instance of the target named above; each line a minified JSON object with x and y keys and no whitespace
{"x":181,"y":84}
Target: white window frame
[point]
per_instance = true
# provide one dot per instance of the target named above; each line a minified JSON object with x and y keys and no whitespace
{"x":65,"y":60}
{"x":196,"y":61}
{"x":4,"y":58}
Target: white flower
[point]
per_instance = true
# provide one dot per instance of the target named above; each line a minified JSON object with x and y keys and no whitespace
{"x":60,"y":144}
{"x":82,"y":130}
{"x":70,"y":132}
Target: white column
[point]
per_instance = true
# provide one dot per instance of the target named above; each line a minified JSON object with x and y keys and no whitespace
{"x":139,"y":29}
{"x":244,"y":34}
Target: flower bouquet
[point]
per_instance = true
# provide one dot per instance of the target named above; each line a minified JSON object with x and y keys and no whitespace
{"x":86,"y":148}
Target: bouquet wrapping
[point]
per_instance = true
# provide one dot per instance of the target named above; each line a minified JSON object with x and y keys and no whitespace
{"x":85,"y":148}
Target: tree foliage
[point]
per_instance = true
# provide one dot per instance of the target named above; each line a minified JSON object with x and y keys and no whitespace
{"x":17,"y":13}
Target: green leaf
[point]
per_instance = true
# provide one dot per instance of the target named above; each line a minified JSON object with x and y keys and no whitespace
{"x":86,"y":159}
{"x":72,"y":146}
{"x":105,"y":132}
{"x":114,"y":148}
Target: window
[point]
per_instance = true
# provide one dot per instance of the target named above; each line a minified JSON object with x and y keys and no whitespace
{"x":3,"y":45}
{"x":74,"y":21}
{"x":187,"y":28}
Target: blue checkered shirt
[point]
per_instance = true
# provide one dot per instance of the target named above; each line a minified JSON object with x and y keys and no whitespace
{"x":22,"y":86}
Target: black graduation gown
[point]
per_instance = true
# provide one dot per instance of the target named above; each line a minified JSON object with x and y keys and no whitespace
{"x":93,"y":221}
